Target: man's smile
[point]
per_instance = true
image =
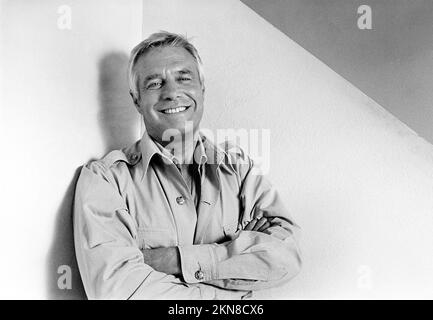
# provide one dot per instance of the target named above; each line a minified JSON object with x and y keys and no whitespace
{"x":175,"y":110}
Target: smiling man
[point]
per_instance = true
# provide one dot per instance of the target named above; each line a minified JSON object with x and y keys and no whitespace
{"x":175,"y":216}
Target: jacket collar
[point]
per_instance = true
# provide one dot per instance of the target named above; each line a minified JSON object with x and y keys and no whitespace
{"x":206,"y":152}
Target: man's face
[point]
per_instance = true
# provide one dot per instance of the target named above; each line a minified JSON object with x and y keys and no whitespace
{"x":170,"y":92}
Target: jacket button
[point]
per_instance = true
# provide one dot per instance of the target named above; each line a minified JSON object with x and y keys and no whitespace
{"x":133,"y":157}
{"x":199,"y":275}
{"x":180,"y":200}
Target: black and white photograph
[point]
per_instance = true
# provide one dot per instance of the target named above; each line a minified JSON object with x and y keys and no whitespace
{"x":234,"y":150}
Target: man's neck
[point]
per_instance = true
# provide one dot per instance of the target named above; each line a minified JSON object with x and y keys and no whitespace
{"x":182,"y":147}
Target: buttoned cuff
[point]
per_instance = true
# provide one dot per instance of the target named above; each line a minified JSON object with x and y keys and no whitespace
{"x":198,"y":263}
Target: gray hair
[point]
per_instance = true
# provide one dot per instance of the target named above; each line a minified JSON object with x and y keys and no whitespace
{"x":158,"y":40}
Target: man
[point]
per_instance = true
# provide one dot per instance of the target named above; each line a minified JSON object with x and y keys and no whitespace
{"x":175,"y":216}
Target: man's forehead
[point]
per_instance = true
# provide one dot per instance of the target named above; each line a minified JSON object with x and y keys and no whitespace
{"x":158,"y":59}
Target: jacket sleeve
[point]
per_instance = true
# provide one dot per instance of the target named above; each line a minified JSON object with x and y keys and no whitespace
{"x":110,"y":262}
{"x":252,"y":260}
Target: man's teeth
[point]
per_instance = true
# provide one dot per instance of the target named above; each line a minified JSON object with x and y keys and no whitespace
{"x":175,"y":110}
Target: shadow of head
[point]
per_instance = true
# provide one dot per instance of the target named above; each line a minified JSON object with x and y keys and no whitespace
{"x":119,"y":121}
{"x":120,"y":125}
{"x":64,"y":281}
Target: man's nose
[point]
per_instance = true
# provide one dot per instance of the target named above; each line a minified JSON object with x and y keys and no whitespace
{"x":169,"y":91}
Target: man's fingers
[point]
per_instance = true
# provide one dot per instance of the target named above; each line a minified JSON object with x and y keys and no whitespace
{"x":250,"y":225}
{"x":260,"y":223}
{"x":264,"y":227}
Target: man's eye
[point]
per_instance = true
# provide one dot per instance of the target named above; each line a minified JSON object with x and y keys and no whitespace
{"x":154,"y":85}
{"x":184,"y":79}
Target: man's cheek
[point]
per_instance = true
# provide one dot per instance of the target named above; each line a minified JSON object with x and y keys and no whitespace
{"x":199,"y":98}
{"x":195,"y":92}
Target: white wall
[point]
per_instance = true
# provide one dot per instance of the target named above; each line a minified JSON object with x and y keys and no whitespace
{"x":357,"y":180}
{"x":62,"y":92}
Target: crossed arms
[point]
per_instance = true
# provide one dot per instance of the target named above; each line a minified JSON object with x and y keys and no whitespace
{"x":263,"y":254}
{"x":167,"y":260}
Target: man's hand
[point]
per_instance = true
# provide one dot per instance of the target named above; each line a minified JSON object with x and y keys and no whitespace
{"x":259,"y":225}
{"x":165,"y":260}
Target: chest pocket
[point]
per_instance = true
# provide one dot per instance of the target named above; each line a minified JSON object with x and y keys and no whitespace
{"x":151,"y":238}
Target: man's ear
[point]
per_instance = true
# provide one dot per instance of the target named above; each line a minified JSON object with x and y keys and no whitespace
{"x":134,"y":99}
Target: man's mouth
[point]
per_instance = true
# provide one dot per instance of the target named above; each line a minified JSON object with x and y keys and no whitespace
{"x":175,"y":110}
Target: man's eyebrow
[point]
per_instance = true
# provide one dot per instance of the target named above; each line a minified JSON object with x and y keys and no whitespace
{"x":185,"y":71}
{"x":151,"y":77}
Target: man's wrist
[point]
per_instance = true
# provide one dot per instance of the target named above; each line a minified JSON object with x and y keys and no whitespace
{"x":166,"y":260}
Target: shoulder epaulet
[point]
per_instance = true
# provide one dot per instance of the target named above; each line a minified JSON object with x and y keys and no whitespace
{"x":130,"y":155}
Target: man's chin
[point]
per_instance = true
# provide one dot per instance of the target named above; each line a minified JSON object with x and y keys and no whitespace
{"x":185,"y":129}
